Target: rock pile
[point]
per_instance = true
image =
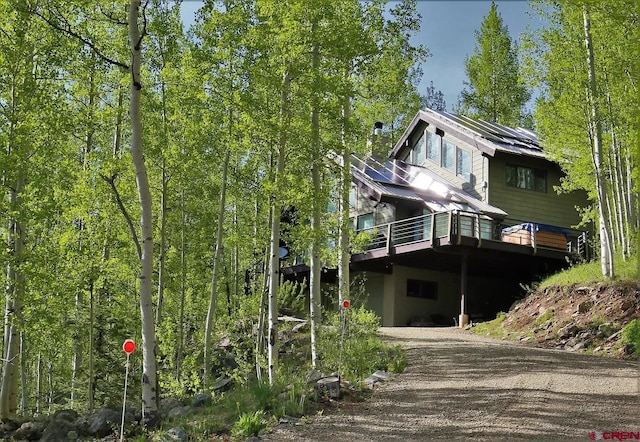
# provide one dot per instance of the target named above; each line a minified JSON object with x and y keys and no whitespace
{"x":577,"y":318}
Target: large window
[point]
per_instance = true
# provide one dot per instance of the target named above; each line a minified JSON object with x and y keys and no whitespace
{"x":449,"y":155}
{"x":353,"y":197}
{"x":526,"y":178}
{"x":433,"y":147}
{"x":463,"y":164}
{"x":446,"y":154}
{"x":419,"y":152}
{"x":422,"y":289}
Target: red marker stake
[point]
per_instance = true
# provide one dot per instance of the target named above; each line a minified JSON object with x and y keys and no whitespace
{"x":128,"y":347}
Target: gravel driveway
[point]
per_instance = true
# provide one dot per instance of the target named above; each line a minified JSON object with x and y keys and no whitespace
{"x":460,"y":386}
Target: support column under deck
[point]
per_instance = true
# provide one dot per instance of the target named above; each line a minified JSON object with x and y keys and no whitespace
{"x":463,"y":319}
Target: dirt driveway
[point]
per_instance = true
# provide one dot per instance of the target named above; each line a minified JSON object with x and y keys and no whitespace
{"x":458,"y":386}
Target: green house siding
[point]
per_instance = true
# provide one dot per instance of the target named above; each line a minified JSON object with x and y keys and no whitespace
{"x":530,"y":205}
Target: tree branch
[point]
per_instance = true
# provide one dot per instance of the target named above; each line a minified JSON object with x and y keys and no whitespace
{"x":111,"y":181}
{"x":68,"y":30}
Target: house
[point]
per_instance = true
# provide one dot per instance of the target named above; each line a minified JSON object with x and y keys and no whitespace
{"x":459,"y":216}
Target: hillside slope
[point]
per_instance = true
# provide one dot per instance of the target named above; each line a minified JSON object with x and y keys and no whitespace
{"x":587,"y":318}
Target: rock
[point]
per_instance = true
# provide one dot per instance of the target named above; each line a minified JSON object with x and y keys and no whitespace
{"x":615,"y":335}
{"x":625,"y":350}
{"x":288,"y":420}
{"x":627,"y":304}
{"x":377,"y":377}
{"x":105,"y":421}
{"x":167,"y":404}
{"x":329,"y":387}
{"x":224,"y":342}
{"x":229,"y":361}
{"x":201,"y":399}
{"x":66,"y":415}
{"x":567,"y":331}
{"x":220,"y":384}
{"x":30,"y":431}
{"x":291,"y":319}
{"x":82,"y":424}
{"x":179,"y":411}
{"x":58,"y":431}
{"x":253,"y":439}
{"x":585,"y":306}
{"x":314,"y":376}
{"x":9,"y":425}
{"x":175,"y":434}
{"x":382,"y":375}
{"x":299,"y":327}
{"x":604,"y":330}
{"x":579,"y":346}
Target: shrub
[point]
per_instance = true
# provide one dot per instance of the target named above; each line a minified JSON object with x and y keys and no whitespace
{"x":249,"y":424}
{"x":354,"y":349}
{"x":631,"y":336}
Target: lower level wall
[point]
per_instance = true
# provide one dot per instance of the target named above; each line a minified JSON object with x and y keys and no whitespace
{"x":412,"y":310}
{"x":387,"y":296}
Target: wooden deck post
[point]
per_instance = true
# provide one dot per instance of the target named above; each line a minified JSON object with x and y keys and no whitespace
{"x":463,"y":319}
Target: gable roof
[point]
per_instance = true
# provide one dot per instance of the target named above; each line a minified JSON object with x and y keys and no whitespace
{"x":482,"y":135}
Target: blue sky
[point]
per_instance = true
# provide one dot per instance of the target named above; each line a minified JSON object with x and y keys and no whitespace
{"x":448,"y":31}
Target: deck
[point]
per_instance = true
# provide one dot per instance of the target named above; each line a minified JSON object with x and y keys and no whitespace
{"x":458,"y":229}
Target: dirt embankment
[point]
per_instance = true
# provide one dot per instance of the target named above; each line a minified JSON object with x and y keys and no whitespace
{"x":577,"y":318}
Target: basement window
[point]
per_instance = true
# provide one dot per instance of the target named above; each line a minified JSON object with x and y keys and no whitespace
{"x":422,"y":289}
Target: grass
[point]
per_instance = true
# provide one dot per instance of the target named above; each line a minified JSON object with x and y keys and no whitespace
{"x":493,"y":328}
{"x":631,"y":336}
{"x":590,"y":272}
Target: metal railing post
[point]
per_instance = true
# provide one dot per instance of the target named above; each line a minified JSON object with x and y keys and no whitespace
{"x":389,"y":242}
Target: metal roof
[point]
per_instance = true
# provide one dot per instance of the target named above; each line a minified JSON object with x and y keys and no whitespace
{"x":485,"y":136}
{"x":393,"y":181}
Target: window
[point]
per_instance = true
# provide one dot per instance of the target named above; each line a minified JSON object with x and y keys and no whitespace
{"x":463,"y":164}
{"x":433,"y":147}
{"x":449,"y":155}
{"x":365,"y":221}
{"x":526,"y":178}
{"x":422,"y":289}
{"x":418,"y":152}
{"x":353,"y":197}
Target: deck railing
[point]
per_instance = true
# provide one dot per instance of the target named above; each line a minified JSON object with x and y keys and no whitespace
{"x":453,"y":226}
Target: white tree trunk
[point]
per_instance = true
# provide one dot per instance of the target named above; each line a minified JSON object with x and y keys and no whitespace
{"x":274,"y":286}
{"x":213,"y":298}
{"x":344,"y":255}
{"x":274,"y":247}
{"x":149,"y":380}
{"x":14,"y":294}
{"x":316,"y":232}
{"x":606,"y":258}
